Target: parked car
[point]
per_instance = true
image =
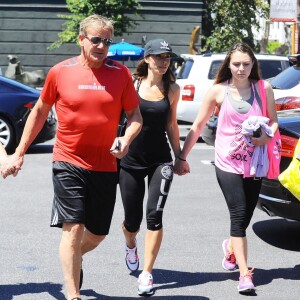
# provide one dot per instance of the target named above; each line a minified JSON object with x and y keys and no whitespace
{"x":16,"y":102}
{"x":286,"y":87}
{"x":198,"y":72}
{"x":274,"y":199}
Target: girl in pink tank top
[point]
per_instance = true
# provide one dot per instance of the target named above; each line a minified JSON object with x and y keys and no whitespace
{"x":234,"y":91}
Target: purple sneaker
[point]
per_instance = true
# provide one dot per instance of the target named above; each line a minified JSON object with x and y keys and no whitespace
{"x":246,"y":283}
{"x":229,"y":261}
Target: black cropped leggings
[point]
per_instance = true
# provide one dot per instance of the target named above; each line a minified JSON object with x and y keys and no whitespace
{"x":241,"y":195}
{"x":132,"y":187}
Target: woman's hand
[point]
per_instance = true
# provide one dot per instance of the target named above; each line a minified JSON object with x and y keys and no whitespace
{"x":181,"y":167}
{"x":262,"y":140}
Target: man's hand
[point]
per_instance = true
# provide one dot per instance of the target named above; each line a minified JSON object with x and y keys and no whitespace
{"x":119,"y":148}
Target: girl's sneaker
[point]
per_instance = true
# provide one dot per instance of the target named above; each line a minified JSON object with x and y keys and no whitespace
{"x":246,"y":283}
{"x":145,"y":282}
{"x":229,"y":260}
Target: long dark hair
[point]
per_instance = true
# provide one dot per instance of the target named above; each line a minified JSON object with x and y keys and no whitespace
{"x":142,"y":72}
{"x":224,"y":72}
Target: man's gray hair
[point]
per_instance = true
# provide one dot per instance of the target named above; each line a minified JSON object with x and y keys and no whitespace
{"x":96,"y":21}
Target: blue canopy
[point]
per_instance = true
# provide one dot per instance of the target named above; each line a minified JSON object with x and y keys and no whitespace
{"x":124,"y":51}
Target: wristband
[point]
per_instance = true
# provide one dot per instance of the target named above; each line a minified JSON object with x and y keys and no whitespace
{"x":181,"y":158}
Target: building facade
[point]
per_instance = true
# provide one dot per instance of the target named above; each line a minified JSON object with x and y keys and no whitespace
{"x":28,"y":27}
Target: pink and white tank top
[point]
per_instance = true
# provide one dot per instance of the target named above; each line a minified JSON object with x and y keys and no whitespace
{"x":232,"y":154}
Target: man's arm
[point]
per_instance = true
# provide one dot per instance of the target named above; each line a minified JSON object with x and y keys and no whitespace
{"x":134,"y":126}
{"x":33,"y":126}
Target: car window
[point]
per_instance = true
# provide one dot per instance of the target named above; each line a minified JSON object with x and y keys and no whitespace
{"x":185,"y":69}
{"x":270,"y":68}
{"x":214,"y":68}
{"x":287,"y":79}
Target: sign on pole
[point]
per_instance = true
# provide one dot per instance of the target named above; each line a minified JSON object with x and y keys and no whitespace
{"x":283,"y":11}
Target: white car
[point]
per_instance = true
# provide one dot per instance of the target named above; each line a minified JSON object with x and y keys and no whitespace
{"x":197,"y":75}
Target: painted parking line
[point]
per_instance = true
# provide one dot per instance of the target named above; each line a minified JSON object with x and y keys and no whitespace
{"x":208,"y":162}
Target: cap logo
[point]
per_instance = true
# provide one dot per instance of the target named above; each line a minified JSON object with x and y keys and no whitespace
{"x":164,"y":45}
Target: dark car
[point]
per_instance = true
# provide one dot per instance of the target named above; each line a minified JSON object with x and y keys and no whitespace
{"x":16,"y":102}
{"x":274,"y":199}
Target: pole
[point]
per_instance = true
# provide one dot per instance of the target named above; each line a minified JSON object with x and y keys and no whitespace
{"x":293,"y":38}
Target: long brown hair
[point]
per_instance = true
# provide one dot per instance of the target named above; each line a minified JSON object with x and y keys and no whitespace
{"x":224,"y":72}
{"x":142,"y":72}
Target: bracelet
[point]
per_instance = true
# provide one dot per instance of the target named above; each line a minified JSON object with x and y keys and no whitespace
{"x":181,"y":158}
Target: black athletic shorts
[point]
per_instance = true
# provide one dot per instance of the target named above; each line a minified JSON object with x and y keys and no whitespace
{"x":83,"y":196}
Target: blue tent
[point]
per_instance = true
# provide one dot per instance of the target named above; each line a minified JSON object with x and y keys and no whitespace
{"x":124,"y":51}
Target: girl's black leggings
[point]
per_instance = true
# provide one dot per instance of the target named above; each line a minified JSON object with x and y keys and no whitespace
{"x":241,"y":195}
{"x":132,"y":187}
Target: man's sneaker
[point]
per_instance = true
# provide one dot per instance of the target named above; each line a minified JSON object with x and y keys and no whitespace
{"x":131,"y":258}
{"x":246,"y":283}
{"x":229,"y":261}
{"x":145,"y":282}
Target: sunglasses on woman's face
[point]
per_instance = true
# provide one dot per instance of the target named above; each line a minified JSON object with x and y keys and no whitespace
{"x":96,"y":40}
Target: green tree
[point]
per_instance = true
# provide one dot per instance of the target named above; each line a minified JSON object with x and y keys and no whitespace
{"x":230,"y":21}
{"x":79,"y":9}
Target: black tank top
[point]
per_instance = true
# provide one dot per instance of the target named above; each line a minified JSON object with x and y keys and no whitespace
{"x":151,"y":146}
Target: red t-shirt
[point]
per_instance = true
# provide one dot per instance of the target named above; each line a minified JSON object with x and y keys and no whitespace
{"x":88,"y":104}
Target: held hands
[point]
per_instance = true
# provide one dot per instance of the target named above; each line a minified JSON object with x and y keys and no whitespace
{"x":12,"y":165}
{"x":181,"y":166}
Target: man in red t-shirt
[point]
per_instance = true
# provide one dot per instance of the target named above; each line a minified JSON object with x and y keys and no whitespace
{"x":89,"y":93}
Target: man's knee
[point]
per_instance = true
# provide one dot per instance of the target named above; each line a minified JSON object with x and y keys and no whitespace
{"x":72,"y":232}
{"x":93,"y":239}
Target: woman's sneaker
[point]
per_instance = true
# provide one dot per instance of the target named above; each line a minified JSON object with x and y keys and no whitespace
{"x":246,"y":283}
{"x":145,"y":282}
{"x":229,"y":261}
{"x":132,"y":258}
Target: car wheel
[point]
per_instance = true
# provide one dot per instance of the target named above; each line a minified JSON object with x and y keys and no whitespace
{"x":7,"y":136}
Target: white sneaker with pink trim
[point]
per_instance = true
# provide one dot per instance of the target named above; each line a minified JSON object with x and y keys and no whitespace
{"x":145,"y":282}
{"x":132,"y":258}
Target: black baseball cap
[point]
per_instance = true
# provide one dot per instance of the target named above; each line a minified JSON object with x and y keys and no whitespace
{"x":158,"y":46}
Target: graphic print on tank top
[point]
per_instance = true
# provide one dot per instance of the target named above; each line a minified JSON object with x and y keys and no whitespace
{"x":233,"y":154}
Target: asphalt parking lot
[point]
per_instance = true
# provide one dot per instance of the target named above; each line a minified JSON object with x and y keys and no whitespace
{"x":189,"y":264}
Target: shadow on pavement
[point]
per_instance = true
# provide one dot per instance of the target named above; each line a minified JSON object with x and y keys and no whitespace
{"x":7,"y":292}
{"x":167,"y":279}
{"x":279,"y":233}
{"x":263,"y":277}
{"x":96,"y":296}
{"x":164,"y":279}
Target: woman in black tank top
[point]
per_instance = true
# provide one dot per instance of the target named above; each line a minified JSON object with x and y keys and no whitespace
{"x":150,"y":156}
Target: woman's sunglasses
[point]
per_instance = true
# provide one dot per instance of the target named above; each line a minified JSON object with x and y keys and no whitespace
{"x":96,"y":40}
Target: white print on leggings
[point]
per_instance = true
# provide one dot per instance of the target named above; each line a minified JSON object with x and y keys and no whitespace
{"x":167,"y":172}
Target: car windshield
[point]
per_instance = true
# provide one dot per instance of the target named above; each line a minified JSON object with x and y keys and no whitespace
{"x":271,"y":68}
{"x":185,"y":69}
{"x":287,"y":79}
